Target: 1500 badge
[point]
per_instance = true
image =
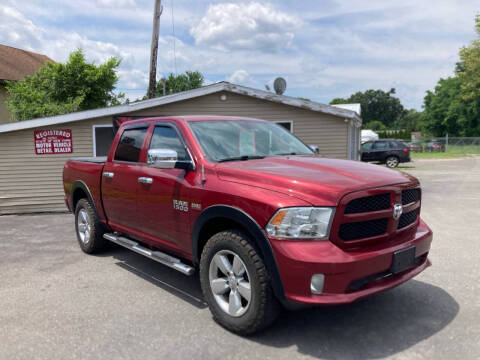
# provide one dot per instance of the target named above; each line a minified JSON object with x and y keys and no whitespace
{"x":180,"y":205}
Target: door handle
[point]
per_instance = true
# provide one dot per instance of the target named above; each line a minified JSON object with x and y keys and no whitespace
{"x":108,"y":174}
{"x":145,"y":180}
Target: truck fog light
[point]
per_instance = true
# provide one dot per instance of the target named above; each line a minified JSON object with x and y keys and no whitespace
{"x":316,"y":284}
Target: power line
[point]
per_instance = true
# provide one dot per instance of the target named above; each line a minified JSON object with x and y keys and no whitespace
{"x":173,"y":32}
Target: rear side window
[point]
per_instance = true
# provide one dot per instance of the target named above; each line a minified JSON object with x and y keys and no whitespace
{"x":380,"y":145}
{"x":396,"y":145}
{"x":166,"y":137}
{"x":130,"y":145}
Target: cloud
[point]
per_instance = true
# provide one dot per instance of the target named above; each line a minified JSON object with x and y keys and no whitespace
{"x":323,"y":50}
{"x":252,"y":26}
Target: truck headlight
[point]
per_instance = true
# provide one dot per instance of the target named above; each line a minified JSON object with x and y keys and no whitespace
{"x":301,"y":223}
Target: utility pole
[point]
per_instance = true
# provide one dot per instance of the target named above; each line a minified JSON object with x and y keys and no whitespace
{"x":154,"y":49}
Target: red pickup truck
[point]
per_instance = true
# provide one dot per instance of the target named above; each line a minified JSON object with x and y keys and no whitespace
{"x":265,"y":220}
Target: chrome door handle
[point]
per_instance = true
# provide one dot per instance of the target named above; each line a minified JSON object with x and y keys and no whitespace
{"x":108,"y":174}
{"x":145,"y":180}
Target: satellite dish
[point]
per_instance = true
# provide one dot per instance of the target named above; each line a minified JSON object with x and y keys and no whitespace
{"x":279,"y":85}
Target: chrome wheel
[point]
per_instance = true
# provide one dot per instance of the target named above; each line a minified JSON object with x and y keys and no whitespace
{"x":84,"y":226}
{"x":230,"y":283}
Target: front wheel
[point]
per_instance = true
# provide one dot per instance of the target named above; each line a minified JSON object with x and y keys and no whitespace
{"x":392,"y":161}
{"x":236,"y":285}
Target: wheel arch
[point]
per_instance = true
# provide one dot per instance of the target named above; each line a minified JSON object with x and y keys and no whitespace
{"x":233,"y":217}
{"x":80,"y":191}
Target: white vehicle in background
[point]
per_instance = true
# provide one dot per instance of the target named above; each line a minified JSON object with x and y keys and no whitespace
{"x":368,"y":135}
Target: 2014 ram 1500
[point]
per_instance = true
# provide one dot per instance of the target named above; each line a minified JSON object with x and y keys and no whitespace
{"x":265,"y":220}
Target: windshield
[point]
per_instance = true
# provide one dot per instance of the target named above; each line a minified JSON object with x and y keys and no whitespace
{"x":229,"y":140}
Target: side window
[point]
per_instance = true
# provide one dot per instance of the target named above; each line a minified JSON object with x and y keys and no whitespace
{"x":380,"y":145}
{"x":130,"y":145}
{"x":166,"y":137}
{"x":367,"y":146}
{"x":395,"y":145}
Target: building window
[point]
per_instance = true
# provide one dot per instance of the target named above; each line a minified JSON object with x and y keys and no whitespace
{"x":102,"y":139}
{"x":286,"y":124}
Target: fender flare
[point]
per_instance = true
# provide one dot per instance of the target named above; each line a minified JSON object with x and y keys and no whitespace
{"x":79,"y":184}
{"x":253,"y":229}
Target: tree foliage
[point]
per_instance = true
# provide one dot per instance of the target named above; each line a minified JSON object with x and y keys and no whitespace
{"x":376,"y":105}
{"x":374,"y":125}
{"x":182,"y":82}
{"x":454,"y":106}
{"x":58,"y":88}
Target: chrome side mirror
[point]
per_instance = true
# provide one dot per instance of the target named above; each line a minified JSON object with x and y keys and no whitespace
{"x":162,"y":158}
{"x":314,"y":148}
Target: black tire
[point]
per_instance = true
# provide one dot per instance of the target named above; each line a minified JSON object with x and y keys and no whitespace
{"x":263,"y":307}
{"x":95,"y":242}
{"x":392,"y":161}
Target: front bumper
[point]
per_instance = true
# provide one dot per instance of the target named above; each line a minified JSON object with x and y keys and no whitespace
{"x":349,"y":275}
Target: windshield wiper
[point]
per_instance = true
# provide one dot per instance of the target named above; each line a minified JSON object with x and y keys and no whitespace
{"x":242,"y":158}
{"x":291,"y":153}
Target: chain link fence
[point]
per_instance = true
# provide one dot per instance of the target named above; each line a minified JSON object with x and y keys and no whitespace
{"x":453,"y":145}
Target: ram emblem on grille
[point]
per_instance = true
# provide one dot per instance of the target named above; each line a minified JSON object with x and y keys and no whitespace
{"x":397,"y":211}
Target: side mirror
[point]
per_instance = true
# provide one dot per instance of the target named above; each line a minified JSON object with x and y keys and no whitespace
{"x":162,"y":158}
{"x":314,"y":148}
{"x":167,"y":159}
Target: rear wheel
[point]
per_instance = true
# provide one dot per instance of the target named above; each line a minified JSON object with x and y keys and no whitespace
{"x":236,"y":285}
{"x":89,"y":228}
{"x":392,"y":161}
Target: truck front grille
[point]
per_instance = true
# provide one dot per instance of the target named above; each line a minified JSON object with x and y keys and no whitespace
{"x":408,"y":218}
{"x":367,"y":217}
{"x":368,"y":203}
{"x":363,"y":229}
{"x":410,"y":195}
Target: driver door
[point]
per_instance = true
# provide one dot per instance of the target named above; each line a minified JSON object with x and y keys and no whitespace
{"x":159,"y":214}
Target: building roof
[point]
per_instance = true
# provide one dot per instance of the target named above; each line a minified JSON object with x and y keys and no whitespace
{"x":15,"y":63}
{"x":185,"y":95}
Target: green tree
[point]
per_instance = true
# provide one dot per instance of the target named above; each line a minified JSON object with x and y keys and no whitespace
{"x":182,"y":82}
{"x":376,"y":105}
{"x":468,"y":69}
{"x":412,"y":120}
{"x":59,"y":88}
{"x":375,"y":125}
{"x":445,"y":108}
{"x":454,"y":106}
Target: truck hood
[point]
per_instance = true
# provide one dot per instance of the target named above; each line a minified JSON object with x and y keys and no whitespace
{"x":319,"y":181}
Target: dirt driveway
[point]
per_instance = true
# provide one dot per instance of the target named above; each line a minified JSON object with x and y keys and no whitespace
{"x":57,"y":303}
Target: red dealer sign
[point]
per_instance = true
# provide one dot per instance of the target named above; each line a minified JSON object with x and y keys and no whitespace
{"x":53,"y":141}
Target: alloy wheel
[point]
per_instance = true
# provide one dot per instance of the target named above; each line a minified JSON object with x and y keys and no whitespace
{"x":84,"y":226}
{"x":230,"y":283}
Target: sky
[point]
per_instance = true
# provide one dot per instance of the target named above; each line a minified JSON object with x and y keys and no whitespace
{"x":324,"y":49}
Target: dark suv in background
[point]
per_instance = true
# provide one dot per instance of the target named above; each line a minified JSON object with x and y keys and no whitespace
{"x":386,"y":151}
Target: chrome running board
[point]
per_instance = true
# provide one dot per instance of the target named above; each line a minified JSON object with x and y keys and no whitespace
{"x":158,"y":256}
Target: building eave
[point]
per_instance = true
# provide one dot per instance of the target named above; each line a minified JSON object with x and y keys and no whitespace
{"x":185,"y":95}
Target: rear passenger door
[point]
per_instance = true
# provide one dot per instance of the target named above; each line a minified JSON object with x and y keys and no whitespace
{"x":120,"y":178}
{"x":380,"y":150}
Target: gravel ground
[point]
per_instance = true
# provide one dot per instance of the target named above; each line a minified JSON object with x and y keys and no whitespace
{"x":57,"y":303}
